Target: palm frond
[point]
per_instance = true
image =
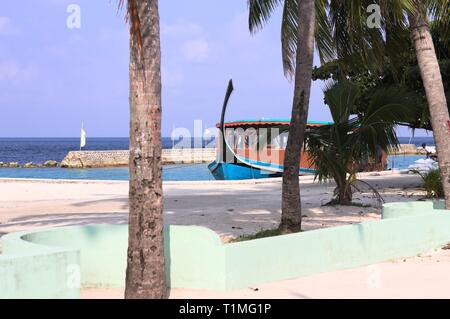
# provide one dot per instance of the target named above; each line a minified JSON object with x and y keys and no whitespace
{"x":260,"y":12}
{"x":132,"y":17}
{"x":289,"y":30}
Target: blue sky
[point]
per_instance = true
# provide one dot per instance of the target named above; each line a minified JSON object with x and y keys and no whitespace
{"x":52,"y":78}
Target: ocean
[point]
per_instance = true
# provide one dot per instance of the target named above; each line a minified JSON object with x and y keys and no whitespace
{"x":39,"y":150}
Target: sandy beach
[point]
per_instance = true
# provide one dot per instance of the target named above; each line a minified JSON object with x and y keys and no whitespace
{"x":232,"y":209}
{"x":228,"y":208}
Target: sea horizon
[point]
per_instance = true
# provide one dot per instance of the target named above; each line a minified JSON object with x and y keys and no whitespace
{"x":41,"y":149}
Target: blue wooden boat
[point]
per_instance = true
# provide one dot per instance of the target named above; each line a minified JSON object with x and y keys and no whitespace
{"x":253,"y":149}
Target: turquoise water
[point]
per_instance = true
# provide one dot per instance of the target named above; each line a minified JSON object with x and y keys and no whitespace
{"x":403,"y":161}
{"x":195,"y":172}
{"x":170,"y":173}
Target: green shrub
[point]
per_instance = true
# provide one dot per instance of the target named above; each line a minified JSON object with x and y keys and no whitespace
{"x":263,"y":233}
{"x":432,"y":183}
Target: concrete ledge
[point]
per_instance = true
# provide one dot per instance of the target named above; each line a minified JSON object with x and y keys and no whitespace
{"x":408,"y":209}
{"x":406,"y":149}
{"x":35,"y":264}
{"x":30,"y":270}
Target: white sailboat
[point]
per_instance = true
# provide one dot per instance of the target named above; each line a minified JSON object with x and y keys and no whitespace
{"x":82,"y":137}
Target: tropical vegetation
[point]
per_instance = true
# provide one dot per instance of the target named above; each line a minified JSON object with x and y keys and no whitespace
{"x":432,"y":183}
{"x":342,"y":33}
{"x":398,"y":70}
{"x":340,"y":150}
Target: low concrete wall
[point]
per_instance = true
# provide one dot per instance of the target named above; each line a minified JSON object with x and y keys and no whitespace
{"x":286,"y":257}
{"x":406,"y":149}
{"x":89,"y":159}
{"x":196,"y":258}
{"x":30,"y":270}
{"x":188,"y":155}
{"x":95,"y":159}
{"x":408,"y":209}
{"x":41,"y":264}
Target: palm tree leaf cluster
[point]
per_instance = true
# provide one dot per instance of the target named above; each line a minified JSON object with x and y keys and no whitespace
{"x":341,"y":149}
{"x":398,"y":71}
{"x":342,"y":31}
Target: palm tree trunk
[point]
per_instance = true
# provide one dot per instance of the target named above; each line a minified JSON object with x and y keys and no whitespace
{"x":291,"y":216}
{"x":434,"y":88}
{"x":145,"y":275}
{"x":345,"y":195}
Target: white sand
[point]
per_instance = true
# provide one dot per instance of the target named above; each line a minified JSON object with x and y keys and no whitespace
{"x":231,"y":209}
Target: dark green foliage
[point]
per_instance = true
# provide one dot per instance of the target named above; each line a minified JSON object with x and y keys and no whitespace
{"x":400,"y":71}
{"x":260,"y":234}
{"x":432,"y":183}
{"x":338,"y":150}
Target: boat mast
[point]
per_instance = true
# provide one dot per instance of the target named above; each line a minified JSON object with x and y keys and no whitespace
{"x":222,"y":119}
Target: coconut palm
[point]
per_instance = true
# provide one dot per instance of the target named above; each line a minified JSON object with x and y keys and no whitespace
{"x":298,"y":27}
{"x":339,"y":150}
{"x":432,"y":80}
{"x":305,"y":24}
{"x":145,"y":274}
{"x":341,"y":32}
{"x":399,"y":16}
{"x":401,"y":69}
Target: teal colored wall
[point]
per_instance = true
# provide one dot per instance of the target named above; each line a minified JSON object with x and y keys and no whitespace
{"x":35,"y":264}
{"x":249,"y":263}
{"x":407,"y":209}
{"x":194,"y":259}
{"x":29,"y":270}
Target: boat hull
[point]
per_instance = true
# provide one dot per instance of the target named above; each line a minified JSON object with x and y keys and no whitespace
{"x":231,"y":171}
{"x":240,"y":171}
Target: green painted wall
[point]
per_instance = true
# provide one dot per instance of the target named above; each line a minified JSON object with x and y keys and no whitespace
{"x":194,"y":259}
{"x":29,"y":270}
{"x":35,"y":264}
{"x":407,"y":209}
{"x":249,"y":263}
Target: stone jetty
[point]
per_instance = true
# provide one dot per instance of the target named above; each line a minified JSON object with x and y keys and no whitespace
{"x":47,"y":164}
{"x":97,"y":159}
{"x":408,"y":149}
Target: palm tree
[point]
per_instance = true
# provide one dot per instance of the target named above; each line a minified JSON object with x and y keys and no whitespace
{"x":339,"y":150}
{"x":353,"y":37}
{"x":298,"y":30}
{"x":305,"y":24}
{"x":342,"y":33}
{"x":432,"y":80}
{"x":145,"y":274}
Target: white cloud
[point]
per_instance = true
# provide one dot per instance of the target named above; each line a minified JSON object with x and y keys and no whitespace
{"x":7,"y":27}
{"x":181,"y":29}
{"x":171,"y":78}
{"x":196,"y":50}
{"x":11,"y":71}
{"x":60,"y":1}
